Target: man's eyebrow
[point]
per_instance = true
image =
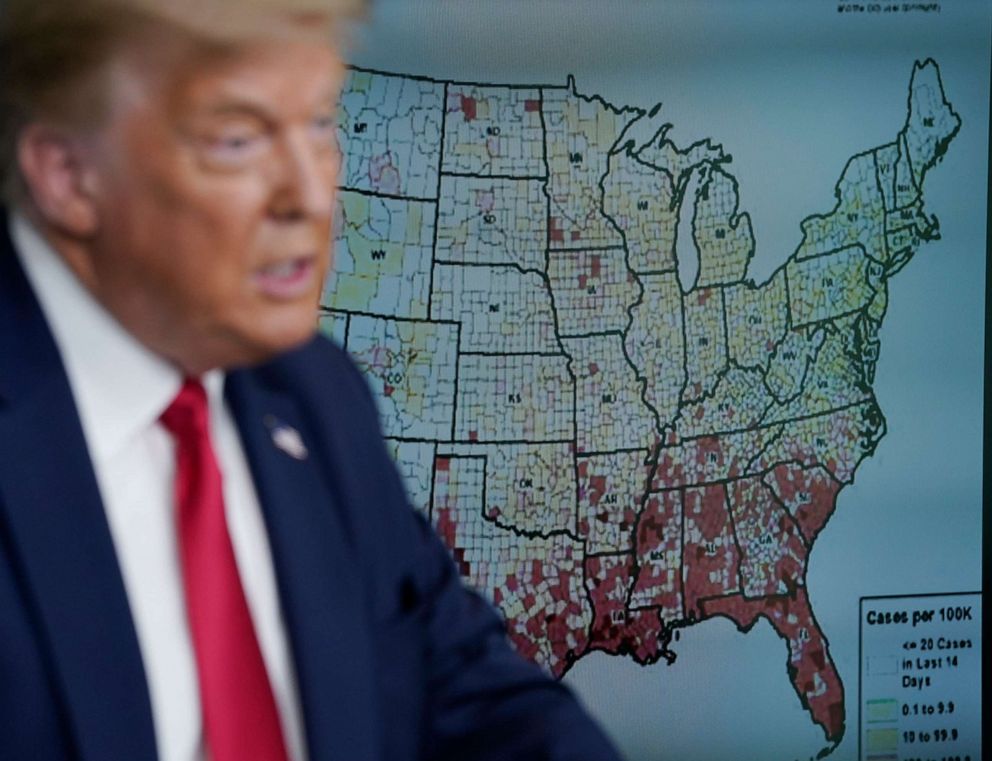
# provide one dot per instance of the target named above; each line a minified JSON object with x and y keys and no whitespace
{"x":231,"y":108}
{"x":244,"y":105}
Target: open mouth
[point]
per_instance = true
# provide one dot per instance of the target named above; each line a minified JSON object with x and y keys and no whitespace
{"x":289,"y":279}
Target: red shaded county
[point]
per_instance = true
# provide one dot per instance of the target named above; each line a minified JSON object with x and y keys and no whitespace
{"x":811,"y":670}
{"x":773,"y":553}
{"x":644,"y":638}
{"x":615,"y":629}
{"x":670,"y":470}
{"x":595,"y":265}
{"x":557,"y":625}
{"x":710,"y":560}
{"x":597,"y":487}
{"x":576,"y":234}
{"x":555,"y":232}
{"x":659,"y":536}
{"x":551,"y":622}
{"x":810,"y":494}
{"x":532,"y":104}
{"x":607,"y":506}
{"x":468,"y":107}
{"x":709,"y":453}
{"x":442,"y":463}
{"x":444,"y":525}
{"x":464,"y":569}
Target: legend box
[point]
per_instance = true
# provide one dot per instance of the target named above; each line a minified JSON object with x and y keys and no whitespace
{"x":920,"y":693}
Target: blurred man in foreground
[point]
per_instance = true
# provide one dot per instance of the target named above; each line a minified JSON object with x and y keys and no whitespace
{"x":204,"y":549}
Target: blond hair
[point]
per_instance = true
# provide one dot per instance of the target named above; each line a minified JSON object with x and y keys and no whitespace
{"x":52,"y":52}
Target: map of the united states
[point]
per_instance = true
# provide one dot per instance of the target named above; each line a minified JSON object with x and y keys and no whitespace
{"x":611,"y":454}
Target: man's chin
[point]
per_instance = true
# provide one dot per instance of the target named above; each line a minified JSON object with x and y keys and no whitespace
{"x":246,"y":348}
{"x":271,"y":344}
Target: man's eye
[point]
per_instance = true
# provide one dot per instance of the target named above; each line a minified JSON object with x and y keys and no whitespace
{"x":235,"y":147}
{"x":235,"y":143}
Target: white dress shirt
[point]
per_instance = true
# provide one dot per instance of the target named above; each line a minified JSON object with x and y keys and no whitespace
{"x":121,"y":388}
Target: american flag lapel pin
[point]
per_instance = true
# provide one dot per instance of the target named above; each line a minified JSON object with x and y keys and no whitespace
{"x":288,"y":439}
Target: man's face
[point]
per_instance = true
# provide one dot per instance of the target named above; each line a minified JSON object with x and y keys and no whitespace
{"x":213,"y":181}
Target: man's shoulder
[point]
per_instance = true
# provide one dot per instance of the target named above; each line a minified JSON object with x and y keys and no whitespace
{"x":317,"y":389}
{"x":324,"y":385}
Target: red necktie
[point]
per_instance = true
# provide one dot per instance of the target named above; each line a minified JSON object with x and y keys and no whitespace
{"x":240,"y":720}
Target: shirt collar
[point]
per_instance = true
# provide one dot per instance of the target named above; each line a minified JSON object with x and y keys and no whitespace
{"x":120,"y":386}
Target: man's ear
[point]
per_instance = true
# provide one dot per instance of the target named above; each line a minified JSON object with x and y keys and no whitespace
{"x":58,"y":181}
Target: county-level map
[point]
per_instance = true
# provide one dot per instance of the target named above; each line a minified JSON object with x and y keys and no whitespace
{"x":612,"y":454}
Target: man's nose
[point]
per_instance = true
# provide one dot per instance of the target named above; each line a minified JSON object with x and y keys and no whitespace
{"x":305,"y":179}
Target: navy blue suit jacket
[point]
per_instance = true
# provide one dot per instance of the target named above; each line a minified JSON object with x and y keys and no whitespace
{"x":394,"y":659}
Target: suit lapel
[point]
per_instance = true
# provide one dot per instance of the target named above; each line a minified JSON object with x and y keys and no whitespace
{"x":54,"y":525}
{"x":319,"y":585}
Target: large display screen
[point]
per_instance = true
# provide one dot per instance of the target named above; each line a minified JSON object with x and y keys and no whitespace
{"x":675,"y":314}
